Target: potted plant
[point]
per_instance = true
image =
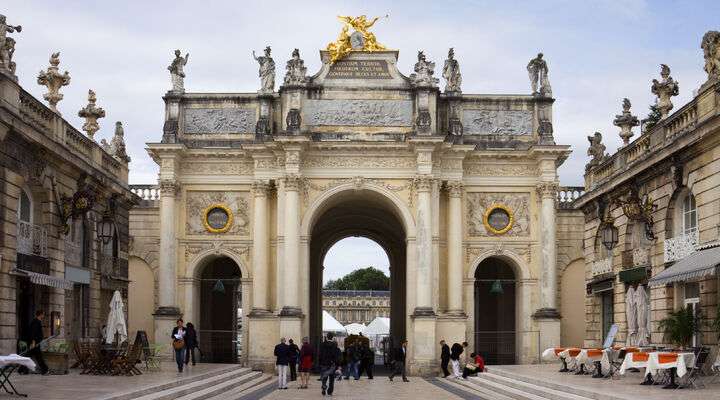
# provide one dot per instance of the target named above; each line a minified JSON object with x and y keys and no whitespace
{"x":56,"y":357}
{"x":680,"y":326}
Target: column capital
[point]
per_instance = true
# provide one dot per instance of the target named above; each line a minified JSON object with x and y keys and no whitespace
{"x":292,"y":182}
{"x":454,"y":188}
{"x":547,"y":189}
{"x":260,"y":188}
{"x":169,"y":188}
{"x":423,"y":183}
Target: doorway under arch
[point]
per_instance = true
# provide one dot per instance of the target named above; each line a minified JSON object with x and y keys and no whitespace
{"x":495,"y":311}
{"x":368,"y":214}
{"x":220,"y":318}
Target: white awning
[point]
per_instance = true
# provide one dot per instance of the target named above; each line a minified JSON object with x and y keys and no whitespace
{"x":46,"y":280}
{"x":701,"y":263}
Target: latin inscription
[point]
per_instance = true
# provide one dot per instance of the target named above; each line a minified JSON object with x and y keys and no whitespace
{"x":359,"y":69}
{"x":358,"y":112}
{"x":497,"y":122}
{"x":219,"y":120}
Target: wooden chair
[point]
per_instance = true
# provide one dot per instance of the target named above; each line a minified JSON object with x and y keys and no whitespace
{"x":126,"y":364}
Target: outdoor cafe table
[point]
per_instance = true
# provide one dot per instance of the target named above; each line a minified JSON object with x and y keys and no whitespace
{"x":677,"y":363}
{"x":8,"y":365}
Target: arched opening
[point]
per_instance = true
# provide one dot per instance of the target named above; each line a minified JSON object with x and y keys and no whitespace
{"x":495,"y":310}
{"x":220,"y":311}
{"x":367,"y":214}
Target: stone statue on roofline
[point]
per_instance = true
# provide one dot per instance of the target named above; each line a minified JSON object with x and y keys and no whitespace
{"x":117,"y":144}
{"x":177,"y":71}
{"x":295,"y":70}
{"x":711,"y":51}
{"x":451,"y":73}
{"x":266,"y":72}
{"x":7,"y":46}
{"x":664,"y":90}
{"x":538,"y":73}
{"x":53,"y":80}
{"x":424,"y":71}
{"x":626,"y":122}
{"x":596,"y":151}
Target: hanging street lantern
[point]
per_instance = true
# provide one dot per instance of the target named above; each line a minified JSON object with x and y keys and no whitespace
{"x":609,"y":235}
{"x":106,"y":228}
{"x":219,"y":287}
{"x":496,"y":288}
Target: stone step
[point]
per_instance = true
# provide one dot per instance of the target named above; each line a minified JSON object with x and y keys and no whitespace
{"x":255,"y":384}
{"x":221,"y":387}
{"x":180,"y":390}
{"x":528,"y":387}
{"x":474,"y":389}
{"x":500,"y":388}
{"x":556,"y":385}
{"x":134,"y":394}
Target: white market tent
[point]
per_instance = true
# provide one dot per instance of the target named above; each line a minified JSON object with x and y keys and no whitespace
{"x":380,"y":326}
{"x":355,"y":328}
{"x":330,"y":324}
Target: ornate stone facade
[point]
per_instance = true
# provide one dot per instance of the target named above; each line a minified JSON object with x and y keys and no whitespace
{"x":198,"y":202}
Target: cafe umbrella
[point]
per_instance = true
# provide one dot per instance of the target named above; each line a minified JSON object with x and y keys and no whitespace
{"x":116,"y":320}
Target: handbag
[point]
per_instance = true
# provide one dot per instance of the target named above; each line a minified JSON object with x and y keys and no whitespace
{"x":471,"y":367}
{"x":178,"y":344}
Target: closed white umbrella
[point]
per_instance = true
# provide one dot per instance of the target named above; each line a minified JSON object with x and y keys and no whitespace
{"x":631,"y":315}
{"x":116,"y":320}
{"x":643,"y":309}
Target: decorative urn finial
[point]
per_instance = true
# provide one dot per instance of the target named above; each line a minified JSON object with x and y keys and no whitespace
{"x":626,"y":122}
{"x":91,"y":113}
{"x":53,"y":80}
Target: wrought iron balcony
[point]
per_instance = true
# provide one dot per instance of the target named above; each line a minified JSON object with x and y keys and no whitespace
{"x":680,"y":246}
{"x":111,"y":267}
{"x":73,"y":253}
{"x":600,"y":267}
{"x":31,"y":239}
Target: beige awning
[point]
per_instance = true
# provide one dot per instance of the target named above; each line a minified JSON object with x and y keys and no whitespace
{"x":701,"y":263}
{"x":45,"y":280}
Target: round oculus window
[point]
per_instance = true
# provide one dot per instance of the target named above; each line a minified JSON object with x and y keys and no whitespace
{"x":498,"y":219}
{"x":218,"y":218}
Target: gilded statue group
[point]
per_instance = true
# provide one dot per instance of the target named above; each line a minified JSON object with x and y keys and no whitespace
{"x":360,"y":40}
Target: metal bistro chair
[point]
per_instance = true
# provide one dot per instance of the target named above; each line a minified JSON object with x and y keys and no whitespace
{"x":694,"y":376}
{"x":152,"y":357}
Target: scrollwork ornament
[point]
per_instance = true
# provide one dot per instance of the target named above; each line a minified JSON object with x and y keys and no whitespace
{"x":547,"y":189}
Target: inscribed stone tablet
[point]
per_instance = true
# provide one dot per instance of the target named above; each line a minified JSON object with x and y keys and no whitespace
{"x":359,"y":69}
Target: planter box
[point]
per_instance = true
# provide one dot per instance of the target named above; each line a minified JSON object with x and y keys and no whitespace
{"x":57,"y":362}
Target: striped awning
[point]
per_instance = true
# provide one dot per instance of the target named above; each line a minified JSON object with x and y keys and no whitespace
{"x":45,"y":280}
{"x":703,"y":262}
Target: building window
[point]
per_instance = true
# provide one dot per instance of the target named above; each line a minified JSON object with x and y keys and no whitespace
{"x":25,"y":207}
{"x":689,"y":214}
{"x":692,"y":302}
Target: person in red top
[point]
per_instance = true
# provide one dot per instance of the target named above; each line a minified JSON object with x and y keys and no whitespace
{"x":306,"y":362}
{"x":478,"y":365}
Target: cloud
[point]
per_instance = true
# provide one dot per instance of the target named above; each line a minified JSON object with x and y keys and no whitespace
{"x":353,"y":253}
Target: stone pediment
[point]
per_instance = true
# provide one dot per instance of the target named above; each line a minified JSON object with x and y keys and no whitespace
{"x":361,"y":69}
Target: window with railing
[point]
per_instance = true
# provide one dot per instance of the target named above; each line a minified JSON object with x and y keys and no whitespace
{"x":684,"y":238}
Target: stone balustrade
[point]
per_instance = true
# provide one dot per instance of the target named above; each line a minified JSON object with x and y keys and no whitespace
{"x":600,"y":267}
{"x":680,"y":246}
{"x":681,"y":121}
{"x":31,"y":239}
{"x":567,"y":194}
{"x":146,"y":192}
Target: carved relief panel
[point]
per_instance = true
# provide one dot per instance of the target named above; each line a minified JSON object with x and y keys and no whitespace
{"x":497,"y":122}
{"x":219,"y":120}
{"x":479,"y":210}
{"x":198,"y":203}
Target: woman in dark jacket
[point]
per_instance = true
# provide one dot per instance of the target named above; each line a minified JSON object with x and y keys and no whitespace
{"x":191,"y":343}
{"x":178,"y":339}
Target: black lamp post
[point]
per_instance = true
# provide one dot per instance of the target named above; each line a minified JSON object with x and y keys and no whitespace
{"x":609,"y":235}
{"x":105,"y":228}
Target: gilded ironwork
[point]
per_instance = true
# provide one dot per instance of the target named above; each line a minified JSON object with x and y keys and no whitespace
{"x":210,"y":226}
{"x":360,"y":40}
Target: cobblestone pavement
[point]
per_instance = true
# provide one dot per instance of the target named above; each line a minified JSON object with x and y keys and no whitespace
{"x":378,"y":388}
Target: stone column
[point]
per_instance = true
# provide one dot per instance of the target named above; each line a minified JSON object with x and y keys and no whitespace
{"x":454,"y":248}
{"x":168,"y":309}
{"x":548,"y":192}
{"x":424,"y":306}
{"x":260,"y":248}
{"x":291,"y":306}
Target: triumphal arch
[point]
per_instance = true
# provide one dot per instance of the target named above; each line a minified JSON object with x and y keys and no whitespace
{"x":459,"y":189}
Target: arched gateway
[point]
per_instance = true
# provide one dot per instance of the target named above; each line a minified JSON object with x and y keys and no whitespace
{"x":442,"y":180}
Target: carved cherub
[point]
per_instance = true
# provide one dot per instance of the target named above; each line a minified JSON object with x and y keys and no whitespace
{"x":596,"y":150}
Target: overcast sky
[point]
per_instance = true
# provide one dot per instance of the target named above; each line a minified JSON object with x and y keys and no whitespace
{"x":598,"y":52}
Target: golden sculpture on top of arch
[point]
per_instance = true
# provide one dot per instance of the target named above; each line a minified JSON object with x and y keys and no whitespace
{"x":344,"y":43}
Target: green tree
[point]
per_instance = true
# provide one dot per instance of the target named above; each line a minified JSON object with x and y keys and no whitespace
{"x":369,"y":278}
{"x":653,"y":118}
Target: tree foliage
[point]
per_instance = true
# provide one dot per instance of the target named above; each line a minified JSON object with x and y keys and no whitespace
{"x":680,"y":326}
{"x":653,"y":118}
{"x":369,"y":278}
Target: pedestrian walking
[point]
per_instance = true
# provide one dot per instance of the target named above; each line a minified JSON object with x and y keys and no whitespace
{"x":282,"y":354}
{"x":455,"y":353}
{"x":306,"y":362}
{"x":34,"y":338}
{"x":368,"y":360}
{"x":444,"y":358}
{"x":178,"y":343}
{"x":473,"y":368}
{"x":400,"y":356}
{"x":294,"y":353}
{"x":329,"y":361}
{"x":191,"y":343}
